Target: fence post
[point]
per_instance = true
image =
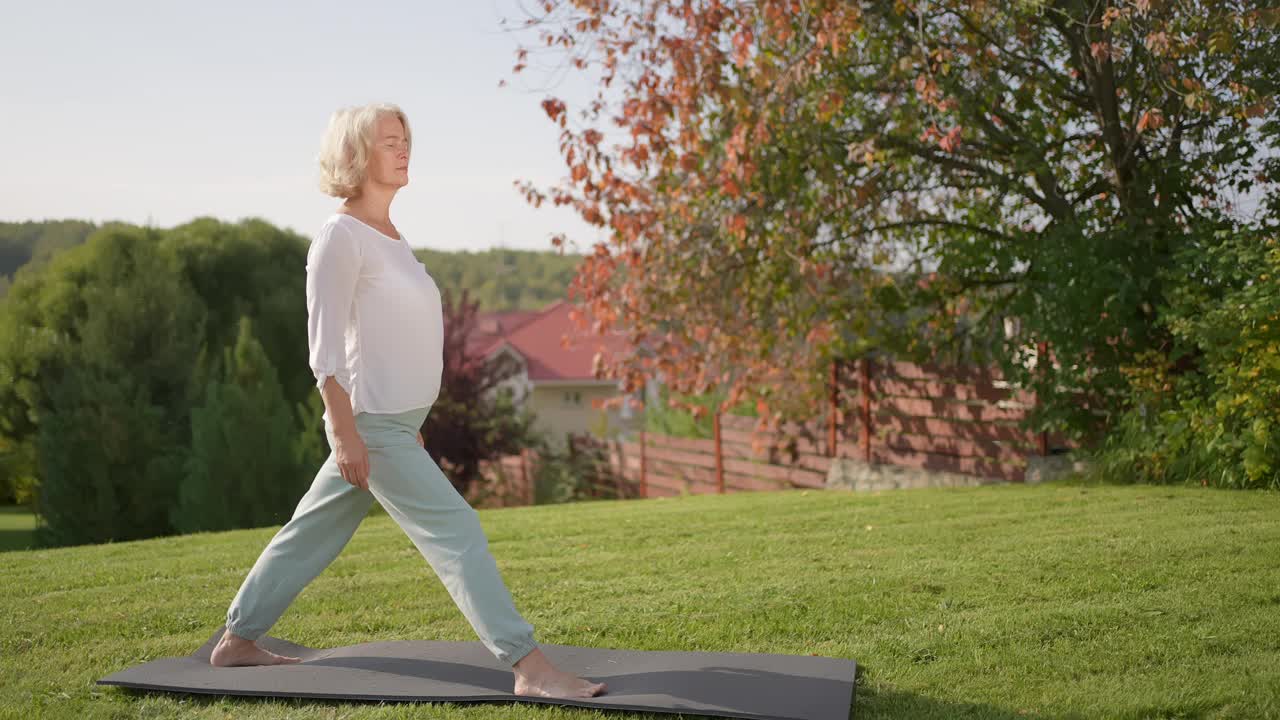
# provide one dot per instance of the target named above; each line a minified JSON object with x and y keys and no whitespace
{"x":1042,"y":361}
{"x":715,"y":426}
{"x":620,"y":477}
{"x":833,"y":407}
{"x":866,"y":409}
{"x":524,"y":476}
{"x":644,"y":486}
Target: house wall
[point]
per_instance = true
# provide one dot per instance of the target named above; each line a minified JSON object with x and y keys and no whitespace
{"x":558,"y":416}
{"x":517,"y":384}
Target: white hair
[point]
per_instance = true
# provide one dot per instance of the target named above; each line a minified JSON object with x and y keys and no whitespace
{"x":344,"y":152}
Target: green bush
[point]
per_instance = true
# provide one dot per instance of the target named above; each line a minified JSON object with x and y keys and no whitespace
{"x":1213,"y":417}
{"x":96,"y":350}
{"x":17,"y":473}
{"x":109,"y":463}
{"x":575,"y":472}
{"x":663,"y":419}
{"x":243,"y":468}
{"x":101,"y":359}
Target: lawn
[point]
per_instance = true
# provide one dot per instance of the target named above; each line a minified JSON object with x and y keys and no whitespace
{"x":1061,"y":600}
{"x":17,"y":528}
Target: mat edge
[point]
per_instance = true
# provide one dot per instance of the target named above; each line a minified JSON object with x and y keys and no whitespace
{"x":476,"y":699}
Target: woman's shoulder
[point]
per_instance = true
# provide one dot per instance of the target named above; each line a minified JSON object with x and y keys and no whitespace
{"x":340,"y":225}
{"x":338,"y":219}
{"x":335,"y":237}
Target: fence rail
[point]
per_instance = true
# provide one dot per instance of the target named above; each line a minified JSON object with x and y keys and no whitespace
{"x":953,"y":419}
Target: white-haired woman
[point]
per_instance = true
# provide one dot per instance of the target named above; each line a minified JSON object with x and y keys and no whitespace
{"x":375,"y":335}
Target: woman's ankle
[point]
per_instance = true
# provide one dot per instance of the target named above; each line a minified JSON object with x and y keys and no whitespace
{"x":535,"y":661}
{"x":231,"y":637}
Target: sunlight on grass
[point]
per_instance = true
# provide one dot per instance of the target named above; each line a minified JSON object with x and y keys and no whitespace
{"x":17,"y":528}
{"x":1009,"y":601}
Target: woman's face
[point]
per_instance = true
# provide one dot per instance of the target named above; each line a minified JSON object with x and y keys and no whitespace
{"x":389,"y":156}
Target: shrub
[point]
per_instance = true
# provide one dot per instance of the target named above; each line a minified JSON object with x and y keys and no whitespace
{"x":108,"y":460}
{"x":242,"y":469}
{"x":1212,"y":417}
{"x":578,"y":471}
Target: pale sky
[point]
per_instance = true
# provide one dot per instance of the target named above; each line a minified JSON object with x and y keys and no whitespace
{"x":164,"y":111}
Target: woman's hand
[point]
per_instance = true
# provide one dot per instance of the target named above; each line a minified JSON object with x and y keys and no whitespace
{"x":421,"y":444}
{"x":353,"y":459}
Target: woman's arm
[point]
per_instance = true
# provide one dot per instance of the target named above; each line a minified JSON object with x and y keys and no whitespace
{"x":333,"y":266}
{"x":338,"y":402}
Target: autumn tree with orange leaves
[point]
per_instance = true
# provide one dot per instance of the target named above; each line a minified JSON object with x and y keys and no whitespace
{"x":802,"y":181}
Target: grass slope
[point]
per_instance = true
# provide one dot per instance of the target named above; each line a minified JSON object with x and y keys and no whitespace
{"x":1059,"y":600}
{"x":17,"y":528}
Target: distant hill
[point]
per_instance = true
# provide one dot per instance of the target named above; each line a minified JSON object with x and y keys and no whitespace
{"x":499,"y":279}
{"x":503,"y":279}
{"x":34,"y":242}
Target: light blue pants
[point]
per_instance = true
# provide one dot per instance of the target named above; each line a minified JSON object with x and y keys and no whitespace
{"x":404,"y":479}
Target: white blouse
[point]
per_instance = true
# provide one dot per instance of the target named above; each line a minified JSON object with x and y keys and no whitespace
{"x":374,"y":319}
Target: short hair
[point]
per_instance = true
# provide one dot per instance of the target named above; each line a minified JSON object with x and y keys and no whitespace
{"x":344,"y":151}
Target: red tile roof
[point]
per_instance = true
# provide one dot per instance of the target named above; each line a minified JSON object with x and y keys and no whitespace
{"x":492,"y":327}
{"x":551,"y":344}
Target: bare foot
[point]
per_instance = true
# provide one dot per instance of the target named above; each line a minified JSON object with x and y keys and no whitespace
{"x":537,"y":677}
{"x":233,"y":650}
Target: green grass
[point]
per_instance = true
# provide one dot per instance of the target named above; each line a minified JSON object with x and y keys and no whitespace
{"x":17,"y":528}
{"x":1061,"y":600}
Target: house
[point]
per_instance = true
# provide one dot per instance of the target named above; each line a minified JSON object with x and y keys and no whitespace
{"x":555,"y":379}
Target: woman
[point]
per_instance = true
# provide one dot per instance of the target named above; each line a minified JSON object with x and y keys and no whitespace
{"x":375,"y":331}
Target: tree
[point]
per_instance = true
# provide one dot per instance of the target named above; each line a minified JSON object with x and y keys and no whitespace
{"x":473,"y":419}
{"x":96,"y":354}
{"x":250,"y":269}
{"x":1219,"y":425}
{"x":800,"y":174}
{"x":31,"y":244}
{"x":243,"y":469}
{"x":109,"y":461}
{"x":125,"y":318}
{"x":17,"y":473}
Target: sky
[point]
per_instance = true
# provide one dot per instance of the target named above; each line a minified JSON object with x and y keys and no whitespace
{"x":160,"y":112}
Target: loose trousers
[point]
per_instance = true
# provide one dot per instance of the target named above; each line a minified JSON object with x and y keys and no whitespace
{"x":404,"y":479}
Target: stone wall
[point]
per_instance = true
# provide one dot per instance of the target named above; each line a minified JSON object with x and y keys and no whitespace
{"x":850,"y":474}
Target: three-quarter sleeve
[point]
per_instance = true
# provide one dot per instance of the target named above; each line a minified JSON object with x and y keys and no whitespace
{"x":333,"y":265}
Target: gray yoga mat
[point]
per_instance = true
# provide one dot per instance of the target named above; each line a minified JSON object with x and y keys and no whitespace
{"x":723,"y":684}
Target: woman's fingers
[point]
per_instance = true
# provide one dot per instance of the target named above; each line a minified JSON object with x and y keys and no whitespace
{"x":354,"y":462}
{"x":356,"y":472}
{"x":352,"y":474}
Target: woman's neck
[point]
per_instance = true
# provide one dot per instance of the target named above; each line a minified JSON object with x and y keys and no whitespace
{"x":371,"y":204}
